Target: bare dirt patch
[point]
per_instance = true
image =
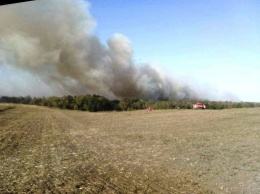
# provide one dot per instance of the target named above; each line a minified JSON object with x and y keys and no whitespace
{"x":56,"y":151}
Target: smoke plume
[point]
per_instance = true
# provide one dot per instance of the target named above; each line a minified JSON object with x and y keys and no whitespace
{"x":53,"y":40}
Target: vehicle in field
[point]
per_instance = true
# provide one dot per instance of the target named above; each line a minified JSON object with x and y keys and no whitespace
{"x":199,"y":106}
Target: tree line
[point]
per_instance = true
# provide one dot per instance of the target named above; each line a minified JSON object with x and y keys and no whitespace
{"x":94,"y":103}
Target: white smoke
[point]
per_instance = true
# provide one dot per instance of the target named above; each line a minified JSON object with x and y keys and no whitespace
{"x":52,"y":40}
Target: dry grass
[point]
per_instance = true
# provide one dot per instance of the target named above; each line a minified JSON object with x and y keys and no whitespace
{"x":171,"y":151}
{"x":5,"y":107}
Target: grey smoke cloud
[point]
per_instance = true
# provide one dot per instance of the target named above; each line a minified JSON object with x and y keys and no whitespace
{"x":53,"y":41}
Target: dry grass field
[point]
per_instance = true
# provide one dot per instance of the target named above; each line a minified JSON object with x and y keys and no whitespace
{"x":46,"y":150}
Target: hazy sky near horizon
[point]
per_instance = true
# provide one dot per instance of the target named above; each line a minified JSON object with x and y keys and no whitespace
{"x":212,"y":44}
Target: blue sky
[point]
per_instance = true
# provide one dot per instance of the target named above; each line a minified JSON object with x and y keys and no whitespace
{"x":214,"y":44}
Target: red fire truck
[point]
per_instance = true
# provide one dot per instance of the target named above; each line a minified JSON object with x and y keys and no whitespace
{"x":199,"y":106}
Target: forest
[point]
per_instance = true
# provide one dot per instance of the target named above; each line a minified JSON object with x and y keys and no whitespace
{"x":94,"y":103}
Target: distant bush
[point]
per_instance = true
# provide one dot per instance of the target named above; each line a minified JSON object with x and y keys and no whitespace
{"x":94,"y":103}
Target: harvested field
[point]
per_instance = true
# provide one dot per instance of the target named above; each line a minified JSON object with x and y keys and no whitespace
{"x":46,"y":150}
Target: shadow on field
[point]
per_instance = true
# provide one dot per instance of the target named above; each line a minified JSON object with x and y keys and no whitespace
{"x":5,"y":108}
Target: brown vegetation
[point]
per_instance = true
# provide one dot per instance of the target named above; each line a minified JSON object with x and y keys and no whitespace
{"x":46,"y":150}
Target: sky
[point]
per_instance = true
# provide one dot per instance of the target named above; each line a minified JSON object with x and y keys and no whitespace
{"x":181,"y":49}
{"x":212,"y":44}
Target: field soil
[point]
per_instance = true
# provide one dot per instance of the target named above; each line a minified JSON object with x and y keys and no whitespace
{"x":45,"y":150}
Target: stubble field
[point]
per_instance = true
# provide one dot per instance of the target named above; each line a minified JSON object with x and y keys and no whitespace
{"x":46,"y":150}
